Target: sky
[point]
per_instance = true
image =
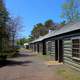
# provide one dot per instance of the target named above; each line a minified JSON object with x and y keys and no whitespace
{"x":34,"y":11}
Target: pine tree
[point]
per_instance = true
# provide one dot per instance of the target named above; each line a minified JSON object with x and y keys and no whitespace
{"x":3,"y":20}
{"x":3,"y":14}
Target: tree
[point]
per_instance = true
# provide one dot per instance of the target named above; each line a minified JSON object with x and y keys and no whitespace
{"x":62,"y":23}
{"x":71,"y":10}
{"x":38,"y":30}
{"x":14,"y":26}
{"x":4,"y":16}
{"x":22,"y":41}
{"x":50,"y":25}
{"x":43,"y":29}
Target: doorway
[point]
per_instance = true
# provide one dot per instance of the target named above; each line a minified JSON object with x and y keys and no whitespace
{"x":59,"y":50}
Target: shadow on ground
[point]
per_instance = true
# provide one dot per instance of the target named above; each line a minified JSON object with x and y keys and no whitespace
{"x":26,"y":55}
{"x":14,"y":63}
{"x":11,"y":62}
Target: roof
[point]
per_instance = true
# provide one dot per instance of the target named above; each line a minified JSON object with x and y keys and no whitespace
{"x":67,"y":28}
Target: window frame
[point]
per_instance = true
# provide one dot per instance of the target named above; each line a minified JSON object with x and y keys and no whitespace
{"x":76,"y":54}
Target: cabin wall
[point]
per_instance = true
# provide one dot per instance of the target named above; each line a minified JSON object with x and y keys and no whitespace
{"x":50,"y":47}
{"x":33,"y":47}
{"x":40,"y":47}
{"x":68,"y":58}
{"x":36,"y":47}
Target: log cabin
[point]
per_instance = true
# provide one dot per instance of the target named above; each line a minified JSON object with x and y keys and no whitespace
{"x":63,"y":43}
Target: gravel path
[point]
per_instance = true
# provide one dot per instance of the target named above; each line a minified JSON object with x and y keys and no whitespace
{"x":27,"y":67}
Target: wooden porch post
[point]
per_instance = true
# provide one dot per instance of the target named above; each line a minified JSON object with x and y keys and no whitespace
{"x":33,"y":47}
{"x":60,"y":51}
{"x":38,"y":47}
{"x":56,"y":50}
{"x":44,"y":48}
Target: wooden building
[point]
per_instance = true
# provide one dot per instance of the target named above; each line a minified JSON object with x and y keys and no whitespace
{"x":64,"y":43}
{"x":26,"y":45}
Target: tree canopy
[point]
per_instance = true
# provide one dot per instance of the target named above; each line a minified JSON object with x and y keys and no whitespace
{"x":4,"y":16}
{"x":71,"y":10}
{"x":41,"y":29}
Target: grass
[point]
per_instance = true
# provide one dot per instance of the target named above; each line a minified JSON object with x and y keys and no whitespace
{"x":68,"y":74}
{"x":63,"y":71}
{"x":44,"y":57}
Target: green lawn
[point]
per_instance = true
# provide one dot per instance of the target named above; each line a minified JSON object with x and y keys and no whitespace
{"x":68,"y":74}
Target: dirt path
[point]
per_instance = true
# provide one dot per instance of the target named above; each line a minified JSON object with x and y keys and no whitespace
{"x":27,"y":67}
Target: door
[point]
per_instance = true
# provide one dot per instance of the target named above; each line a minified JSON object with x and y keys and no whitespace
{"x":59,"y":50}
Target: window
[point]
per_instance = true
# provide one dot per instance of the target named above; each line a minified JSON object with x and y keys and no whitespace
{"x":76,"y":48}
